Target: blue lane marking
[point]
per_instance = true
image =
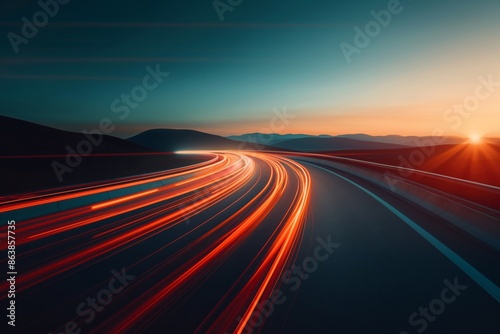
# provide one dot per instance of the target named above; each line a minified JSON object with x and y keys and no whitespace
{"x":473,"y":273}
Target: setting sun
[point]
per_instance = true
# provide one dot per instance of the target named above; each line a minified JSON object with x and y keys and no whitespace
{"x":475,"y":139}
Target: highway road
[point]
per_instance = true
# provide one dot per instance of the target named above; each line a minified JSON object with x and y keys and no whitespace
{"x":244,"y":242}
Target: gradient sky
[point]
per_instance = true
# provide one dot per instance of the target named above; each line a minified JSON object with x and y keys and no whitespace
{"x":227,"y":77}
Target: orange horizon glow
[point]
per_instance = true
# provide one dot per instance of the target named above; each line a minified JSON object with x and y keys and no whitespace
{"x":405,"y":120}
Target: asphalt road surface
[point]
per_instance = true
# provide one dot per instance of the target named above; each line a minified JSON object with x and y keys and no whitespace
{"x":243,"y":243}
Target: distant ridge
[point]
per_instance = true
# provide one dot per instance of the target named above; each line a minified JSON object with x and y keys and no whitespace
{"x":314,"y":144}
{"x":271,"y":138}
{"x":274,"y":139}
{"x":19,"y":137}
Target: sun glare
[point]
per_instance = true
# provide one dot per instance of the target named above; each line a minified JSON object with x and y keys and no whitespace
{"x":475,"y":139}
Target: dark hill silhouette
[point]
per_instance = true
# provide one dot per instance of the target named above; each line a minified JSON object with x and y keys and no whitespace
{"x":18,"y":137}
{"x":171,"y":140}
{"x":28,"y":152}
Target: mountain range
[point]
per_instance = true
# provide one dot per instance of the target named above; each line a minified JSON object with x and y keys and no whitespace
{"x":18,"y":137}
{"x":278,"y":139}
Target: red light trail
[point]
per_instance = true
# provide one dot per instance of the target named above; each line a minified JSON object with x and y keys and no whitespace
{"x":90,"y":233}
{"x":207,"y":244}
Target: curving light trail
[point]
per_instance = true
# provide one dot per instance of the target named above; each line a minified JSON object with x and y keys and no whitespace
{"x":234,"y":195}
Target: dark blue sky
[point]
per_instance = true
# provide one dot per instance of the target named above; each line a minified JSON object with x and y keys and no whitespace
{"x":226,"y":77}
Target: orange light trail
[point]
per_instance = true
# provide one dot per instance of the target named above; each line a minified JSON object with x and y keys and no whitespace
{"x":28,"y":201}
{"x":123,"y":199}
{"x":249,"y":211}
{"x":279,"y":255}
{"x":93,"y":232}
